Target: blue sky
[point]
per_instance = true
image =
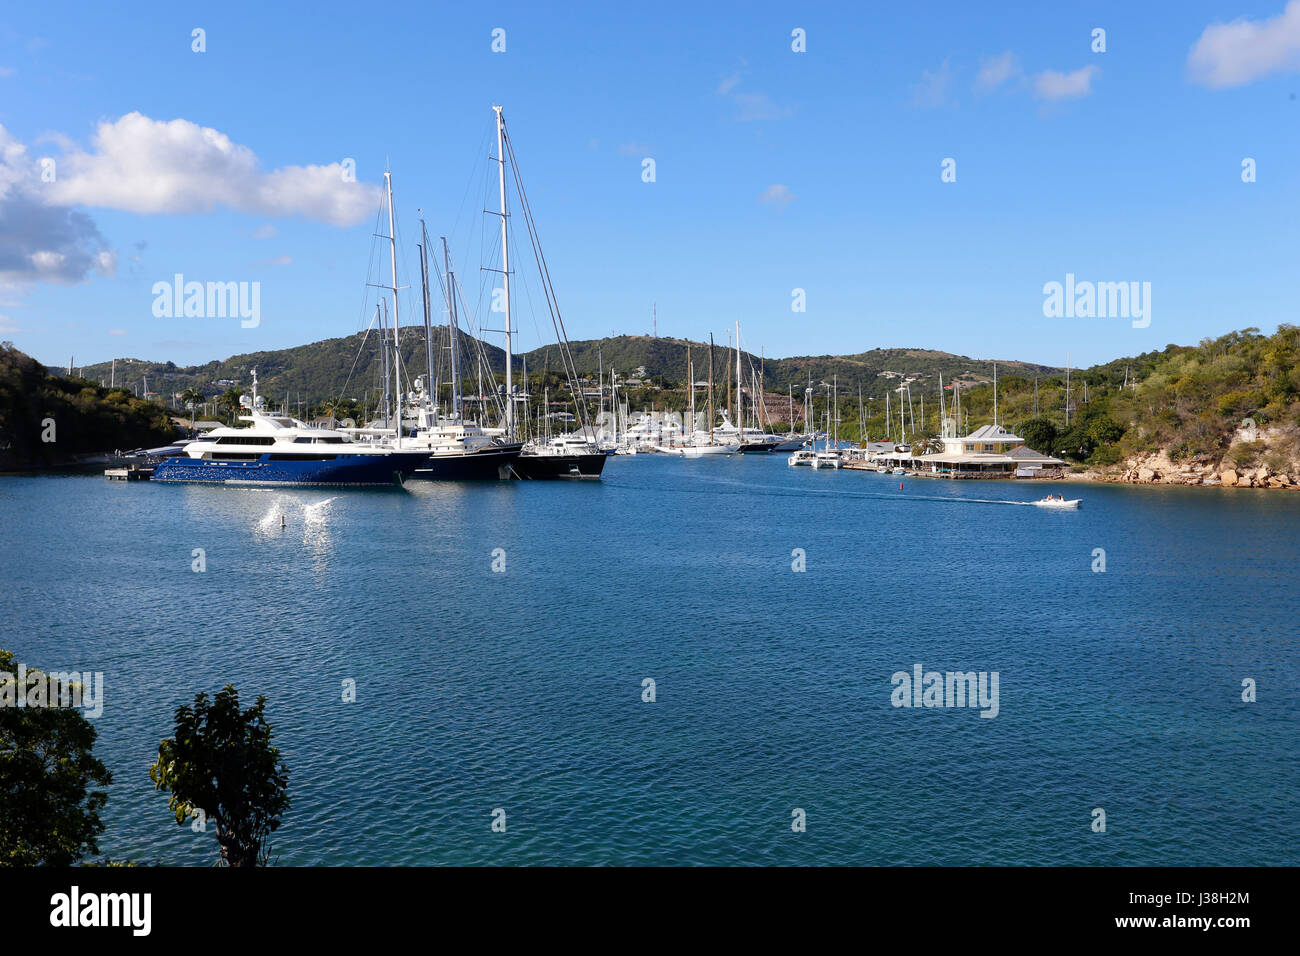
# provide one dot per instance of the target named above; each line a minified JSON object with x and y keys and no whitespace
{"x":774,"y":170}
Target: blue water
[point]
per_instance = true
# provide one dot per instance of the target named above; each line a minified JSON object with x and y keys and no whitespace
{"x":522,"y":689}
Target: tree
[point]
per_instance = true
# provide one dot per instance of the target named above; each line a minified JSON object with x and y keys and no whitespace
{"x":221,"y":767}
{"x":229,"y":399}
{"x":49,"y":815}
{"x":191,"y":397}
{"x":1039,"y":434}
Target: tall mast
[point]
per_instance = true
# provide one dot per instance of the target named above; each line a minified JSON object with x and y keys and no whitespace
{"x":710,"y":388}
{"x":452,"y":329}
{"x":397,"y":343}
{"x":690,"y":372}
{"x":1067,"y":389}
{"x":430,"y":395}
{"x":740,"y":422}
{"x":862,"y":422}
{"x":995,"y":393}
{"x":505,"y":271}
{"x":836,"y":379}
{"x":381,"y":311}
{"x":943,"y":411}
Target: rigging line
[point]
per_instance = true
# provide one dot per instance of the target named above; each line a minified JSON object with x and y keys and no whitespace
{"x":482,"y":361}
{"x":469,"y":180}
{"x":580,"y":400}
{"x":357,"y":357}
{"x":365,"y":299}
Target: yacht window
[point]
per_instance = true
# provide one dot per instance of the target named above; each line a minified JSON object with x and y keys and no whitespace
{"x":245,"y":440}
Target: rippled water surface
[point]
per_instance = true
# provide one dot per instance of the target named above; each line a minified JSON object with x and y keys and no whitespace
{"x":522,"y":689}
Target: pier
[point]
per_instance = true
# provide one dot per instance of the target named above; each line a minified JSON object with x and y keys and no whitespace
{"x":129,"y":473}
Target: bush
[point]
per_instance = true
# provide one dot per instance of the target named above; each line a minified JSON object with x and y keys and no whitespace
{"x":1245,"y":453}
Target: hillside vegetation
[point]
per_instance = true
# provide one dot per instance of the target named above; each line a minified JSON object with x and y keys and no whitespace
{"x":1231,"y":402}
{"x":349,"y":367}
{"x":48,"y":420}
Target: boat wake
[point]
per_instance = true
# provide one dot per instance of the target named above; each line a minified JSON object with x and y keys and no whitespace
{"x":312,"y":514}
{"x":776,"y":491}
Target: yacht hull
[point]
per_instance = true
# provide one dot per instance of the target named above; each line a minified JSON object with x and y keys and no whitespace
{"x":270,"y":469}
{"x":551,"y":467}
{"x":489,"y":464}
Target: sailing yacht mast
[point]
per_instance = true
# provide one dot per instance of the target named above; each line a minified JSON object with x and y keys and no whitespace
{"x":740,"y":422}
{"x":397,"y":345}
{"x":690,"y":372}
{"x":381,"y":315}
{"x":995,"y":393}
{"x":710,"y":388}
{"x":430,"y":393}
{"x":505,"y":272}
{"x":452,"y":329}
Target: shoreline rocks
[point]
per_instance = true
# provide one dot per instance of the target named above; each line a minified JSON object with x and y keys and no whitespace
{"x":1160,"y":470}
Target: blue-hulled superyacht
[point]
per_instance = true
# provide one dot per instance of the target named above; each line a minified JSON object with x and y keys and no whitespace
{"x":279,"y":449}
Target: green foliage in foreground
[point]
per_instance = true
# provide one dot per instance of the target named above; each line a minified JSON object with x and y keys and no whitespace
{"x":221,"y":767}
{"x":49,"y":804}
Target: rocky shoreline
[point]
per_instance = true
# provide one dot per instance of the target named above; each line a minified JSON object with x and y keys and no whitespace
{"x":1161,"y":470}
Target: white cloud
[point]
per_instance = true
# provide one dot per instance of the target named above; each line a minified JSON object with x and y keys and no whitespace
{"x":176,"y":167}
{"x":117,"y":331}
{"x":40,"y":241}
{"x":265,"y":231}
{"x":6,"y":72}
{"x":932,"y":90}
{"x":276,"y":261}
{"x":1240,"y":52}
{"x":634,"y":149}
{"x":777,"y":194}
{"x":1054,"y":85}
{"x":994,"y":71}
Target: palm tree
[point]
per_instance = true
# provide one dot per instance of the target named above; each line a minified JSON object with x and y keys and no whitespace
{"x":229,"y":399}
{"x":190,"y":398}
{"x":331,"y":407}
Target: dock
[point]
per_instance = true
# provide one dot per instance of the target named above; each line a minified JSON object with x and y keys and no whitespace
{"x":129,"y":473}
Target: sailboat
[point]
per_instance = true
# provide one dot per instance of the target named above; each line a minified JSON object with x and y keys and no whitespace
{"x":574,"y":455}
{"x":701,"y":446}
{"x":455,"y":448}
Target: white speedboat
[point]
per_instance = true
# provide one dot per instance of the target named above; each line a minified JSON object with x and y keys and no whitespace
{"x":1060,"y":503}
{"x":900,"y":471}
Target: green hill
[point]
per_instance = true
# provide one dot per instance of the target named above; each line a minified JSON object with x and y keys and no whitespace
{"x":50,"y":420}
{"x":349,"y":367}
